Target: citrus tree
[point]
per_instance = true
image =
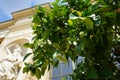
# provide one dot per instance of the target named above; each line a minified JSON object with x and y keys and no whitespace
{"x":76,"y":28}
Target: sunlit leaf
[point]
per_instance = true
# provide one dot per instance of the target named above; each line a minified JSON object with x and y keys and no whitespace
{"x":70,"y":22}
{"x":67,"y":47}
{"x":62,"y":58}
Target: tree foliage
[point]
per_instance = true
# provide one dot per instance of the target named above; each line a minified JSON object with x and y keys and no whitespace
{"x":76,"y":28}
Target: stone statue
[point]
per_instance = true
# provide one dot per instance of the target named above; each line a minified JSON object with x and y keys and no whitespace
{"x":12,"y":63}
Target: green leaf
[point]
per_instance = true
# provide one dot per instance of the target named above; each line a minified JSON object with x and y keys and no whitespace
{"x":57,"y":1}
{"x":32,"y":70}
{"x":58,"y":56}
{"x":27,"y":55}
{"x":88,"y":23}
{"x":64,"y":9}
{"x":82,"y":34}
{"x":55,"y":6}
{"x":28,"y":45}
{"x":56,"y":45}
{"x":70,"y":22}
{"x":67,"y":47}
{"x":38,"y":73}
{"x":55,"y":55}
{"x":62,"y":58}
{"x":25,"y":69}
{"x":44,"y":67}
{"x":46,"y":34}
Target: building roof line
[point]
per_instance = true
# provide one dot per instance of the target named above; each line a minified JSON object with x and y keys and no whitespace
{"x":21,"y":14}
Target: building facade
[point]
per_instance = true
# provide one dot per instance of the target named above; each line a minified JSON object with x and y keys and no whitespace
{"x":13,"y":35}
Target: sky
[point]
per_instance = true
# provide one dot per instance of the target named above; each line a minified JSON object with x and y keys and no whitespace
{"x":9,"y":6}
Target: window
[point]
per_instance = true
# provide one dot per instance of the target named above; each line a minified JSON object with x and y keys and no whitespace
{"x":63,"y":71}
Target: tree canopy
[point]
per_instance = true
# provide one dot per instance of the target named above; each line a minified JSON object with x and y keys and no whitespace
{"x":76,"y":28}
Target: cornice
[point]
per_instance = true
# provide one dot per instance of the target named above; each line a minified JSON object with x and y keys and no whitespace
{"x":21,"y":14}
